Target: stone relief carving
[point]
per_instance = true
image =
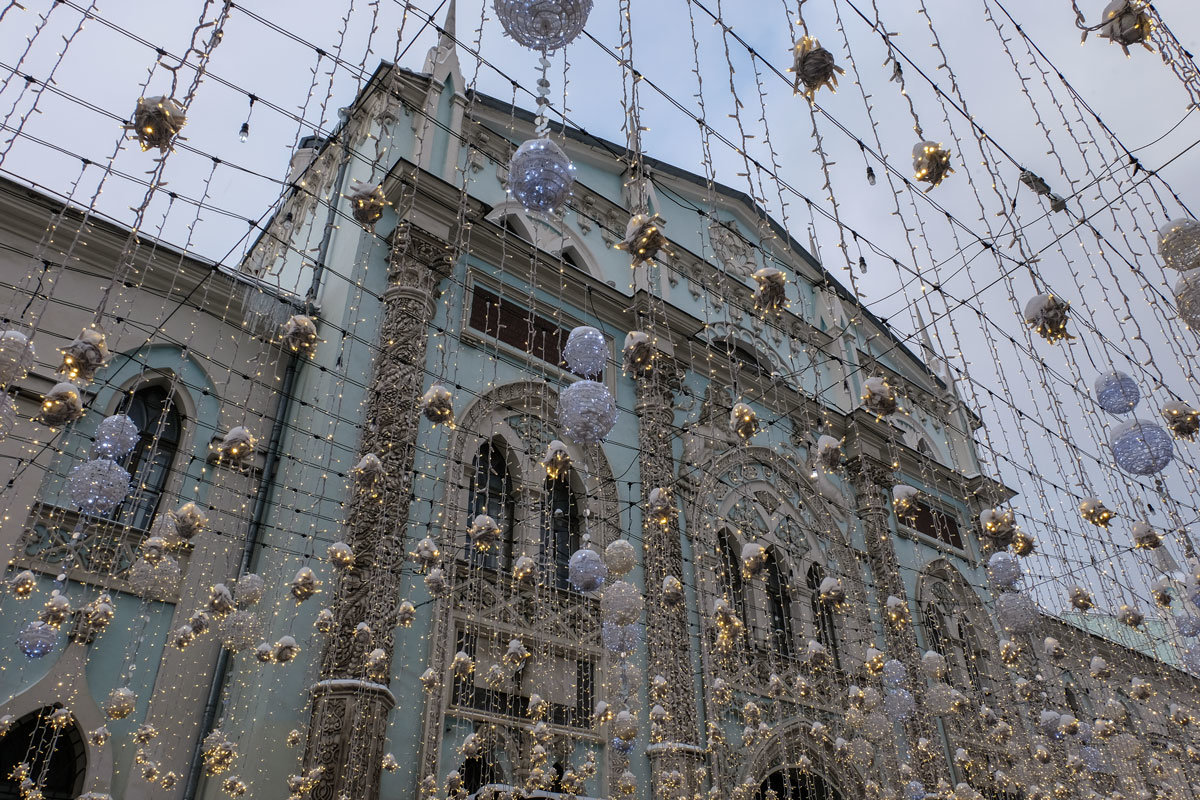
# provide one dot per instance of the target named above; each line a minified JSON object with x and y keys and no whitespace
{"x":732,"y":251}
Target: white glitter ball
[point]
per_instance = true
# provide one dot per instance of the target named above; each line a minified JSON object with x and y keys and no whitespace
{"x":1116,"y":392}
{"x":586,"y":351}
{"x":115,"y":436}
{"x":540,"y":176}
{"x":97,"y":486}
{"x":622,"y":603}
{"x":587,"y":411}
{"x":1140,"y":447}
{"x":586,"y":570}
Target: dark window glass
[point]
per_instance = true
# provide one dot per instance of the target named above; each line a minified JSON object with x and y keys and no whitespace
{"x":779,"y":607}
{"x":491,"y":493}
{"x":561,"y":530}
{"x":795,"y":784}
{"x":936,"y":525}
{"x":160,"y":426}
{"x":823,"y":616}
{"x":731,"y":579}
{"x":517,"y":326}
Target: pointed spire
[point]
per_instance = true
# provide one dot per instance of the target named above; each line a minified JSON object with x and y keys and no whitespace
{"x":448,"y":27}
{"x":447,"y":40}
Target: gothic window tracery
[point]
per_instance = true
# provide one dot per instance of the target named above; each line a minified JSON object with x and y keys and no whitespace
{"x":824,"y":621}
{"x":779,"y":607}
{"x":561,"y":527}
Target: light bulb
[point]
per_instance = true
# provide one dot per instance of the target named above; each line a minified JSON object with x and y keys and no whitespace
{"x":244,"y":133}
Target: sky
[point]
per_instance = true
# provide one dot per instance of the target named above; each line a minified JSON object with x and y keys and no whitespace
{"x":1021,"y":388}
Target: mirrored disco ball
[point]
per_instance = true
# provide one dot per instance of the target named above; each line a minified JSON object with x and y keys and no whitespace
{"x":1187,"y":298}
{"x":621,"y":639}
{"x":1116,"y":392}
{"x":543,"y":24}
{"x":1179,"y":244}
{"x":586,"y":570}
{"x":115,"y":437}
{"x":540,"y":176}
{"x":37,"y":639}
{"x":586,"y":351}
{"x":587,"y":411}
{"x":97,"y":486}
{"x":1140,"y":447}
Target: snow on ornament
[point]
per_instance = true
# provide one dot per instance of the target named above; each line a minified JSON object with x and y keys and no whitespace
{"x":828,"y":453}
{"x":1003,"y":570}
{"x":620,"y":557}
{"x":426,"y":554}
{"x":637,"y":354}
{"x":541,"y":177}
{"x":22,"y":584}
{"x":1116,"y":392}
{"x":220,"y":600}
{"x":61,"y":405}
{"x":56,"y":610}
{"x":437,"y":405}
{"x":341,"y":555}
{"x":304,"y":585}
{"x":1140,"y":447}
{"x":1052,"y":649}
{"x":523,"y":569}
{"x":999,"y":525}
{"x":643,"y":238}
{"x":1182,"y":420}
{"x":37,"y":639}
{"x":85,"y":355}
{"x":237,"y":447}
{"x":16,"y":356}
{"x":754,"y":559}
{"x":660,"y":506}
{"x":831,"y":592}
{"x":621,"y":603}
{"x":879,"y":397}
{"x":189,"y":521}
{"x":770,"y":294}
{"x":814,"y":67}
{"x":896,"y":611}
{"x":99,"y":613}
{"x":436,"y":583}
{"x":1144,"y":536}
{"x":285,"y":650}
{"x":1162,"y":593}
{"x":367,"y":203}
{"x":931,"y":163}
{"x":543,"y":25}
{"x":587,"y":411}
{"x":406,"y":613}
{"x":1048,"y":316}
{"x":743,"y":421}
{"x":557,"y":460}
{"x":586,"y":351}
{"x":904,"y":503}
{"x":933,"y":664}
{"x":299,"y":334}
{"x":672,"y":591}
{"x":156,"y":122}
{"x":120,"y":703}
{"x":1080,"y":598}
{"x":484,"y":532}
{"x":1130,"y":615}
{"x":1093,"y":510}
{"x":1179,"y":244}
{"x":367,"y":471}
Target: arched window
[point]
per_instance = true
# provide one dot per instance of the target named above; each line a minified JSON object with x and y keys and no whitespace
{"x":480,"y":771}
{"x":561,"y":531}
{"x":491,"y":493}
{"x":731,"y":574}
{"x":779,"y":606}
{"x":58,"y":755}
{"x":823,"y":616}
{"x":953,"y":637}
{"x":160,"y":426}
{"x":796,"y":784}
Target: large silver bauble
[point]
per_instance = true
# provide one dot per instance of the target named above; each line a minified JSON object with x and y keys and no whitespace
{"x":540,"y":176}
{"x":543,"y":25}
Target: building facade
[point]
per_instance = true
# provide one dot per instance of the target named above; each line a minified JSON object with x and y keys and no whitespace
{"x":792,"y":628}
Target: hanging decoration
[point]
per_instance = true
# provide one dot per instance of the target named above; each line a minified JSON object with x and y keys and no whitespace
{"x":156,"y":122}
{"x":62,"y":405}
{"x":1140,"y":447}
{"x":1182,"y":420}
{"x":638,"y":353}
{"x":299,"y":334}
{"x":931,"y":163}
{"x":644,"y":238}
{"x":814,"y":67}
{"x":437,"y":405}
{"x":543,"y":25}
{"x":771,"y":293}
{"x":587,"y":411}
{"x":367,"y":203}
{"x":541,"y":177}
{"x":586,"y":351}
{"x":1048,"y":316}
{"x":1116,"y":392}
{"x":83,"y":356}
{"x":743,"y":420}
{"x":17,"y":356}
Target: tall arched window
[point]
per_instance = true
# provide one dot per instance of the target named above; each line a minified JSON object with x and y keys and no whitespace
{"x":779,"y":606}
{"x":823,"y":616}
{"x":951,"y":635}
{"x":491,"y":493}
{"x":731,"y":574}
{"x":562,"y":530}
{"x":59,"y":755}
{"x":160,"y":425}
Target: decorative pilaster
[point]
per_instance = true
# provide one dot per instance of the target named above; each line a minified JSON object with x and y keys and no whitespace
{"x":347,"y":729}
{"x":873,"y":483}
{"x":674,"y":740}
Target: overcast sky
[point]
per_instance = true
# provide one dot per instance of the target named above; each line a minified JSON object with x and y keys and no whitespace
{"x":99,"y":79}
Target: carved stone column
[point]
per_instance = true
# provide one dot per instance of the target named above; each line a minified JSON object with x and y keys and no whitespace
{"x":347,"y":729}
{"x":674,"y":742}
{"x":873,"y":483}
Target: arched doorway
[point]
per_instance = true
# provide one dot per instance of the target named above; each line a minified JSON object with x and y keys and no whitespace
{"x":796,"y":784}
{"x":57,"y":759}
